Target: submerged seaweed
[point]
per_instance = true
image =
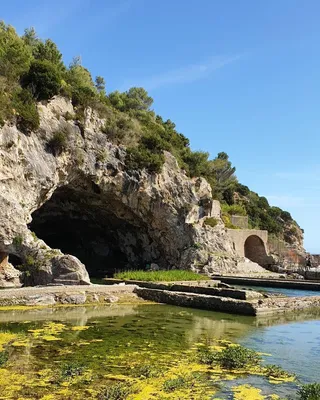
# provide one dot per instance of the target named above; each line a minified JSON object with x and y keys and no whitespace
{"x":132,"y":358}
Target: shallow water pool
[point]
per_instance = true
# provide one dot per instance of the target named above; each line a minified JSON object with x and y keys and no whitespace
{"x":280,"y":291}
{"x":71,"y":353}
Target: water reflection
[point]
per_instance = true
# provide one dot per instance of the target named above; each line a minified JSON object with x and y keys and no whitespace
{"x":292,"y":339}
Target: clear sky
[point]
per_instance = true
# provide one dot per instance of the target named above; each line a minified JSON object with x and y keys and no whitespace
{"x":235,"y":76}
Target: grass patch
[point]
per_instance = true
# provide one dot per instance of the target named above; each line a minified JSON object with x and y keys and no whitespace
{"x":211,"y":222}
{"x":309,"y":392}
{"x":118,"y":391}
{"x":171,"y":385}
{"x":161,"y":276}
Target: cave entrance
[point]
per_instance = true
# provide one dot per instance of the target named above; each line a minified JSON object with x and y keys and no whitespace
{"x":255,"y":250}
{"x":101,"y":232}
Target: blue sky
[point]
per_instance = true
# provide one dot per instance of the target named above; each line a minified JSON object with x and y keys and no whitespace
{"x":235,"y":76}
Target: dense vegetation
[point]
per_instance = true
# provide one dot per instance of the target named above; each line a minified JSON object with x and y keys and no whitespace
{"x":161,"y":276}
{"x":32,"y":70}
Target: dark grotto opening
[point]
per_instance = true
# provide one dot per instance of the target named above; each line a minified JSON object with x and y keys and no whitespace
{"x":101,"y":232}
{"x":15,"y":260}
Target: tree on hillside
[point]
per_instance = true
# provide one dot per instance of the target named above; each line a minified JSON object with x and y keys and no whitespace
{"x":30,"y":37}
{"x":223,"y":177}
{"x":15,"y":55}
{"x":100,"y":84}
{"x":43,"y":79}
{"x":48,"y":51}
{"x":117,"y":100}
{"x":138,"y":99}
{"x":79,"y":76}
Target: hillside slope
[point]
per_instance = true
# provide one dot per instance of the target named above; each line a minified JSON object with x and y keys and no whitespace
{"x":61,"y":130}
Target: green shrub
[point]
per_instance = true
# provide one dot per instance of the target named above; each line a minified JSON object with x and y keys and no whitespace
{"x":274,"y":371}
{"x":58,"y":143}
{"x":48,"y":51}
{"x":138,"y":158}
{"x":147,"y":371}
{"x":68,"y":116}
{"x":3,"y":358}
{"x":83,"y":96}
{"x":170,"y":385}
{"x":43,"y":79}
{"x":211,"y":222}
{"x":234,"y":209}
{"x":17,"y":240}
{"x":242,"y":189}
{"x":117,"y":391}
{"x":263,"y":203}
{"x":119,"y":130}
{"x":15,"y":55}
{"x":236,"y":356}
{"x":206,"y":356}
{"x":227,"y":222}
{"x":26,"y":111}
{"x":71,"y":370}
{"x":286,"y":216}
{"x":29,"y":261}
{"x":102,"y":155}
{"x":309,"y":392}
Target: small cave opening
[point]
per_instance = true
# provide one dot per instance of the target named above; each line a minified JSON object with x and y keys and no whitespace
{"x":15,"y":260}
{"x":99,"y":230}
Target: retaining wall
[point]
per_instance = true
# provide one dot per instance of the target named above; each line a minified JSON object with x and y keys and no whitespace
{"x":201,"y":288}
{"x":193,"y":300}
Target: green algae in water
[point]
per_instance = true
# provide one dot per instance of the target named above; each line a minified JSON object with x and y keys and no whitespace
{"x":142,"y":352}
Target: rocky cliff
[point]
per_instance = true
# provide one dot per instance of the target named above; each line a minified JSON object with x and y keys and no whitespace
{"x":60,"y":204}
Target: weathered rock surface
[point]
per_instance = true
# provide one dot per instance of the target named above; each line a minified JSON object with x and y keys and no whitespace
{"x":83,"y":202}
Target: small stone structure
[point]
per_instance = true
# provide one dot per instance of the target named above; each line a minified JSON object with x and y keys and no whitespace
{"x":252,"y":244}
{"x":316,"y":260}
{"x":241,"y":221}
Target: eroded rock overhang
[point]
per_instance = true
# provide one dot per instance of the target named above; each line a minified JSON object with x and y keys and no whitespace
{"x":59,"y":212}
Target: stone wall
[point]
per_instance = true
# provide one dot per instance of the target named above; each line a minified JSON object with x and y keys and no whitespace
{"x":202,"y":301}
{"x":252,"y":244}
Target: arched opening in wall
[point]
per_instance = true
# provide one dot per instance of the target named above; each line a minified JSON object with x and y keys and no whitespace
{"x":102,"y":232}
{"x":255,"y":250}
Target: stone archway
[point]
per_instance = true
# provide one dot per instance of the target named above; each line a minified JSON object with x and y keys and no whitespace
{"x":254,"y":250}
{"x":252,"y":244}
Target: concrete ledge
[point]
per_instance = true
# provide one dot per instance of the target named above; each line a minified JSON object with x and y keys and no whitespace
{"x":205,"y":283}
{"x":279,"y":283}
{"x":261,"y":307}
{"x":206,"y":287}
{"x":51,"y":295}
{"x":194,"y":300}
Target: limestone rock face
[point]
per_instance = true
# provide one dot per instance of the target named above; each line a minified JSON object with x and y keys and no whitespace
{"x":83,"y":202}
{"x":9,"y":276}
